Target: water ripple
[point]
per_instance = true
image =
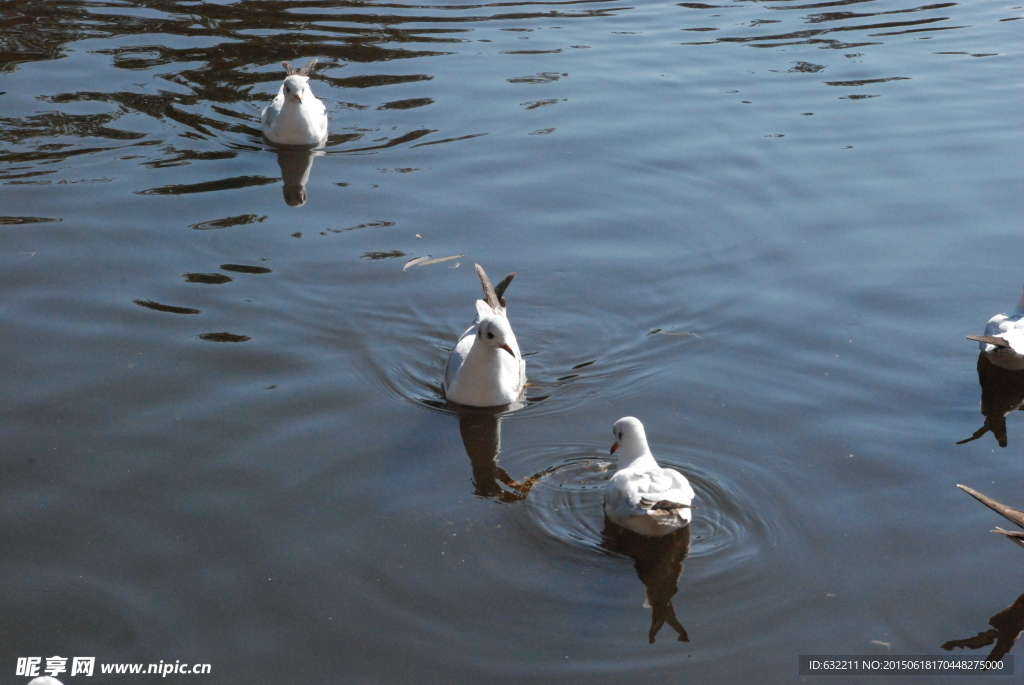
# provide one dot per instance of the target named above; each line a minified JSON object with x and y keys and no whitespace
{"x":565,"y":504}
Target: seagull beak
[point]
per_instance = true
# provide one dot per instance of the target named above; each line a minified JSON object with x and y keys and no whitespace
{"x":298,"y":98}
{"x":615,"y":446}
{"x":508,"y":349}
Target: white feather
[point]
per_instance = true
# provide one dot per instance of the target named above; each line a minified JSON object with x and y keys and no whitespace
{"x":640,"y":483}
{"x":1010,"y":329}
{"x":486,"y":368}
{"x":295,"y":117}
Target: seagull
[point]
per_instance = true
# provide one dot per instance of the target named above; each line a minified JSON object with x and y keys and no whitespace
{"x":486,"y":368}
{"x":1004,"y":338}
{"x":642,"y":496}
{"x":1009,"y":513}
{"x":295,"y":117}
{"x":44,"y":680}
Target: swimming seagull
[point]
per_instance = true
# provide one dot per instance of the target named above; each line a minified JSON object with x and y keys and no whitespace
{"x":1004,"y":338}
{"x":295,"y":117}
{"x":486,"y":369}
{"x":1009,"y":513}
{"x":642,"y":496}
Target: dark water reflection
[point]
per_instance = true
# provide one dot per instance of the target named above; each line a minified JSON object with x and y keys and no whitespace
{"x":1006,"y":628}
{"x":659,"y":564}
{"x":1002,"y":392}
{"x":771,"y":256}
{"x":1008,"y":623}
{"x":295,"y":168}
{"x":481,"y":435}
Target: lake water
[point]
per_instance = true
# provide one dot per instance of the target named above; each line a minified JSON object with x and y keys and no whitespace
{"x":763,"y":228}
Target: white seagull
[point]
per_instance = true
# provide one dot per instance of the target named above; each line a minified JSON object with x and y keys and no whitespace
{"x":642,"y":496}
{"x":1004,"y":338}
{"x":486,"y":368}
{"x":295,"y":117}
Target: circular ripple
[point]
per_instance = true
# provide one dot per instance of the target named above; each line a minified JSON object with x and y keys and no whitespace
{"x":566,"y":501}
{"x":566,"y":504}
{"x":561,"y":369}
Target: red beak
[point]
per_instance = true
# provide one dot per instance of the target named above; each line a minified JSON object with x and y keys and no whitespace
{"x":614,"y":447}
{"x":508,"y":349}
{"x":298,"y":97}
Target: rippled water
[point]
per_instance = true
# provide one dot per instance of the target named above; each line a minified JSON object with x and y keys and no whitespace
{"x":764,"y":228}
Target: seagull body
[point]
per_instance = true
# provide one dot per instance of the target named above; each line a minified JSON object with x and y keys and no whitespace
{"x":642,"y":496}
{"x":295,"y":117}
{"x":1003,"y":341}
{"x":486,"y":368}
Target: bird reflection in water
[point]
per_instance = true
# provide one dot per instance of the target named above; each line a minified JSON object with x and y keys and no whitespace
{"x":1006,"y":626}
{"x":481,"y":436}
{"x":296,"y":163}
{"x":1008,"y":623}
{"x":659,"y":563}
{"x":1002,"y":391}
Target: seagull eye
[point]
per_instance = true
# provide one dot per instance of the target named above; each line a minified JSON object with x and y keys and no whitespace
{"x":620,"y":435}
{"x":490,"y":335}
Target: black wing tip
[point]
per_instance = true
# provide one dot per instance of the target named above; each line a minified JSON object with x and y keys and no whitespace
{"x":303,"y":71}
{"x":975,"y":494}
{"x":664,"y":505}
{"x":1012,"y":515}
{"x":989,"y":340}
{"x":500,"y":288}
{"x":490,"y":296}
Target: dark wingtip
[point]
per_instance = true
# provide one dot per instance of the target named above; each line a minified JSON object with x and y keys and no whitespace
{"x":499,"y":289}
{"x":1015,"y":516}
{"x":664,"y":505}
{"x":989,"y":340}
{"x":490,"y":297}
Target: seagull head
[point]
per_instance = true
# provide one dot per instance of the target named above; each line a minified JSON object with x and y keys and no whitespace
{"x":294,"y":87}
{"x":630,"y":438}
{"x":497,"y":333}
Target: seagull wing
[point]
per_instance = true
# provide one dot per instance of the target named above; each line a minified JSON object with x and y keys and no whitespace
{"x":1009,"y":513}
